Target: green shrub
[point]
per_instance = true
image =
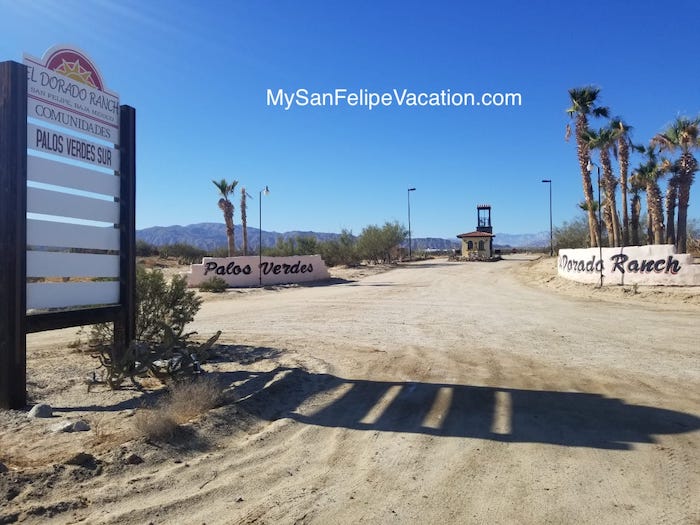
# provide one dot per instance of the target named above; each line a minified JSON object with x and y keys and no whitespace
{"x":144,"y":249}
{"x":376,"y":244}
{"x":158,"y":303}
{"x":184,"y":253}
{"x":214,"y":285}
{"x":342,"y":250}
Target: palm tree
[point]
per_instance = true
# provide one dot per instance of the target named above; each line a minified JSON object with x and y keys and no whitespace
{"x":624,"y":142}
{"x":671,"y":201}
{"x":683,"y":136}
{"x":648,"y":173}
{"x":603,"y":140}
{"x":636,"y":186}
{"x":244,"y":220}
{"x":583,"y":104}
{"x":225,"y":189}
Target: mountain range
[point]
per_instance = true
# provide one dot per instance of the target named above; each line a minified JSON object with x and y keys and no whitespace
{"x":212,"y":235}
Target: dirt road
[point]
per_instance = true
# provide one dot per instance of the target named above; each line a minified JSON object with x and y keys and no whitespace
{"x":438,"y":392}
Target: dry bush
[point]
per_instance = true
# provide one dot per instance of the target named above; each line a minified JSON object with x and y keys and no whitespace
{"x":185,"y":401}
{"x":154,"y":424}
{"x":188,"y":399}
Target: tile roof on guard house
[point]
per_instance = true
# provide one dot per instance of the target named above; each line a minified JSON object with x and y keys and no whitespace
{"x":479,"y":243}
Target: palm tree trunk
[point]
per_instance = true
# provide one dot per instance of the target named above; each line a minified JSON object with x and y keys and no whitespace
{"x":609,"y":181}
{"x":607,"y":219}
{"x":624,"y":153}
{"x":244,"y":221}
{"x":655,"y":210}
{"x":682,"y":228}
{"x":636,"y":208}
{"x":688,"y":166}
{"x":584,"y":156}
{"x":671,"y":198}
{"x":230,"y":236}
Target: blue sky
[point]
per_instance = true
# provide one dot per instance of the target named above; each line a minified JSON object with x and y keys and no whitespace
{"x":198,"y":74}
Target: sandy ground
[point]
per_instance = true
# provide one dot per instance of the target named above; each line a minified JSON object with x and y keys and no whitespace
{"x":436,"y":392}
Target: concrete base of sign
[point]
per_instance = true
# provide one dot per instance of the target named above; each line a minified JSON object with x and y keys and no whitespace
{"x":240,"y":272}
{"x":652,"y":265}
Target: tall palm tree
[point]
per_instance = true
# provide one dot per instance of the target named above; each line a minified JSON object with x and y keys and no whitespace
{"x":225,"y":189}
{"x":603,"y":140}
{"x":636,"y":187}
{"x":682,"y":136}
{"x":244,"y":220}
{"x":671,"y":201}
{"x":648,"y":173}
{"x":622,"y":132}
{"x":583,"y":105}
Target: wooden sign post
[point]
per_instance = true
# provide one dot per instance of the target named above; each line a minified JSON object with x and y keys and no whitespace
{"x":77,"y":266}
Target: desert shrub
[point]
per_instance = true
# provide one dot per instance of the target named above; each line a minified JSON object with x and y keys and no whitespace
{"x":154,"y":424}
{"x":376,"y":244}
{"x":342,"y":250}
{"x":144,"y":249}
{"x":183,"y":252}
{"x":184,"y":401}
{"x":573,"y":234}
{"x":220,"y":251}
{"x":159,"y":303}
{"x":161,"y":349}
{"x":215,"y":285}
{"x":306,"y":245}
{"x":188,"y":399}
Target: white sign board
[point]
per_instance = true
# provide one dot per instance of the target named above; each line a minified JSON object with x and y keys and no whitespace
{"x":656,"y":264}
{"x":247,"y":271}
{"x":65,"y":88}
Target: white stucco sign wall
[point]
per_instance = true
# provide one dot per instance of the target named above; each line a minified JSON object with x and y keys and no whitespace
{"x":247,"y":271}
{"x":657,"y":264}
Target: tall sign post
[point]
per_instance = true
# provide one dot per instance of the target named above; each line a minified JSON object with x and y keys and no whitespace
{"x":67,"y":214}
{"x":13,"y":206}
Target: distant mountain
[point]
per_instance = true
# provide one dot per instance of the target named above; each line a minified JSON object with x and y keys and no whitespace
{"x":212,"y":235}
{"x":433,"y":243}
{"x":522,"y":240}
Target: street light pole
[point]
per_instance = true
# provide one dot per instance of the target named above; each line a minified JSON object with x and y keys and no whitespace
{"x":409,"y":222}
{"x":551,"y":234}
{"x":600,"y":232}
{"x":266,"y":191}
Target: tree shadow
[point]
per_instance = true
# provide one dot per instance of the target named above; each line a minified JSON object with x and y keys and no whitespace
{"x":499,"y":414}
{"x":243,"y":354}
{"x":325,"y":282}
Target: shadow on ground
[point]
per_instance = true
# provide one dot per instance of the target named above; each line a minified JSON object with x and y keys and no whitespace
{"x":499,"y":414}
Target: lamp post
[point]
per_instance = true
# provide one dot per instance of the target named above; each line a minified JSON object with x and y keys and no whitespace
{"x":266,"y":191}
{"x":409,"y":222}
{"x":551,"y":234}
{"x":589,"y":166}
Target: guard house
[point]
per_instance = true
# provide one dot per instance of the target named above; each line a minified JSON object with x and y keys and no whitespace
{"x":479,"y":244}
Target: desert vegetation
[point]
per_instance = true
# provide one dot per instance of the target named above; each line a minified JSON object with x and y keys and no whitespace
{"x":161,"y":349}
{"x":375,"y":244}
